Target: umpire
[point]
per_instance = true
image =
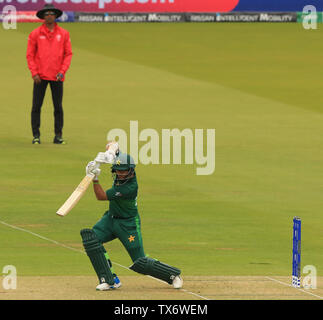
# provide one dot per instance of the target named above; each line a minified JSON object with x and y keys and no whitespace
{"x":49,"y":55}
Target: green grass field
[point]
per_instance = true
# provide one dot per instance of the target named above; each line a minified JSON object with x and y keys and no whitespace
{"x":257,"y":85}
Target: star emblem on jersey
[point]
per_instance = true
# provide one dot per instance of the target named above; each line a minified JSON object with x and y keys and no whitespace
{"x":131,"y":238}
{"x":118,"y":162}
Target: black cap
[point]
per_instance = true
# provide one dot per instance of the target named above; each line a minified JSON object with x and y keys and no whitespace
{"x":51,"y":8}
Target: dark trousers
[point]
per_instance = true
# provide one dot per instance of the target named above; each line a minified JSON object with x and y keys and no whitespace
{"x":38,"y":98}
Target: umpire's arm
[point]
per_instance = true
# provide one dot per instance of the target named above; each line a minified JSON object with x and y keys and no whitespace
{"x":67,"y":54}
{"x":30,"y":55}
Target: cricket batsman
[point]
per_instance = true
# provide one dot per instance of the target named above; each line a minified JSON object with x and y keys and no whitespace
{"x":121,"y":221}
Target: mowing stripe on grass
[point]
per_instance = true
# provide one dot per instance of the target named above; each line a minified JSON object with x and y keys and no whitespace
{"x":77,"y":250}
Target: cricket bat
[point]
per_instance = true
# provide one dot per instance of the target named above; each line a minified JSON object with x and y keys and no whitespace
{"x":75,"y":196}
{"x":102,"y":157}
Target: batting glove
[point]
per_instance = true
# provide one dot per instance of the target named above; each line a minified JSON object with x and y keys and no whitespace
{"x":92,"y":168}
{"x":105,"y":157}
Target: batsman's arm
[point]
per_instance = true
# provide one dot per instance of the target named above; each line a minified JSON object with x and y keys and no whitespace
{"x":98,"y":190}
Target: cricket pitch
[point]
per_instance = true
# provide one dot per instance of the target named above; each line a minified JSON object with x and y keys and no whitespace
{"x":146,"y":288}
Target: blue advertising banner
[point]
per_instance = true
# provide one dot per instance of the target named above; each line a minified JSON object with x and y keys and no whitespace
{"x":67,"y":16}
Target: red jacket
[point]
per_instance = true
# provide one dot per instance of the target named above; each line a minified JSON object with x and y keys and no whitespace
{"x":49,"y":53}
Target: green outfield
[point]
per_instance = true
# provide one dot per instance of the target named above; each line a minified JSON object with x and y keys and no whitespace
{"x":257,"y":85}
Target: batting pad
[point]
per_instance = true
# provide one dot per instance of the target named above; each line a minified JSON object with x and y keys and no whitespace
{"x":96,"y":252}
{"x":155,"y":268}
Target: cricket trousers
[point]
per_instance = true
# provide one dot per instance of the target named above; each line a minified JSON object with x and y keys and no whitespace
{"x":128,"y":231}
{"x":39,"y":91}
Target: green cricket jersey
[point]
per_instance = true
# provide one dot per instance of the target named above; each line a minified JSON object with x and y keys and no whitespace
{"x":123,"y":199}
